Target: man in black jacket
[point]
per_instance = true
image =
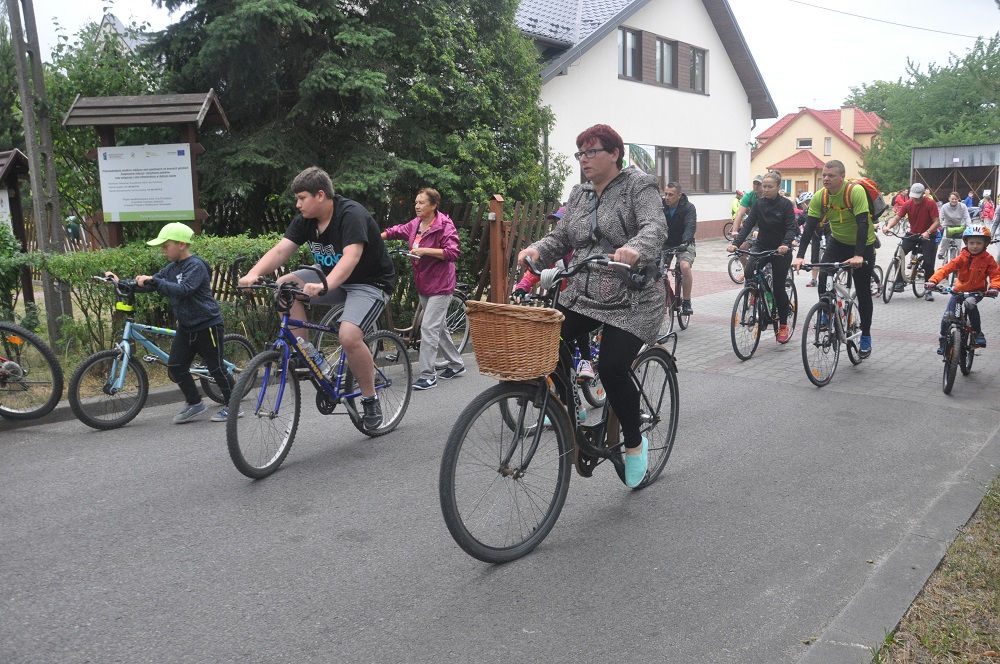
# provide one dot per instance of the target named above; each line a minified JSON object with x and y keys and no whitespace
{"x":682,"y":220}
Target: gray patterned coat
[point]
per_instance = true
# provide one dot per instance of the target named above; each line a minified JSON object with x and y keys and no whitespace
{"x":629,"y":213}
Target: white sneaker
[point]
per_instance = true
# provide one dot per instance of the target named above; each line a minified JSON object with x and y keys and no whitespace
{"x":585,"y":370}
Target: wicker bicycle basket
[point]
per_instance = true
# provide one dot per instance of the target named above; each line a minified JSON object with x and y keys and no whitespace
{"x":512,"y":342}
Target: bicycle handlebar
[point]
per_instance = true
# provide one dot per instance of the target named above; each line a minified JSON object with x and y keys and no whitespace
{"x":570,"y":271}
{"x":403,"y":252}
{"x":122,"y":286}
{"x":756,"y":254}
{"x":838,"y":265}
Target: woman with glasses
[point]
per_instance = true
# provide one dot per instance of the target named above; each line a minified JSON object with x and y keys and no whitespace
{"x":617,"y":213}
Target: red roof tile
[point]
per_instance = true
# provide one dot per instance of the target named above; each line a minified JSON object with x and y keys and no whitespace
{"x":802,"y":160}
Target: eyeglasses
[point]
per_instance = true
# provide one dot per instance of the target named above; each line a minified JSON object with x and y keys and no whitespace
{"x":589,"y":154}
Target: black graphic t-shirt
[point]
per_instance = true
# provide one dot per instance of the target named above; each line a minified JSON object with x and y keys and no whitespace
{"x":351,"y":224}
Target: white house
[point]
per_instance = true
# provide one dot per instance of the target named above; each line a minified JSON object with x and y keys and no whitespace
{"x":674,"y":77}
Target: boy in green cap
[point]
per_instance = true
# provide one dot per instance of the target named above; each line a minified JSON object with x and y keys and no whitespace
{"x":187,"y":280}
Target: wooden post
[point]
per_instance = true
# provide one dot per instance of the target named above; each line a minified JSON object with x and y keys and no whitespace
{"x":498,"y":268}
{"x":17,"y":221}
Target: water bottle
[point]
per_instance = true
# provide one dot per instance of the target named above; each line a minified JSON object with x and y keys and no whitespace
{"x":770,"y":300}
{"x":316,"y":356}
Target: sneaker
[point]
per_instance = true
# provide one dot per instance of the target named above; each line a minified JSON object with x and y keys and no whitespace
{"x":784,"y":334}
{"x":585,"y":370}
{"x":372,"y":412}
{"x":979,"y":340}
{"x":929,"y":296}
{"x":190,"y":411}
{"x":450,"y":373}
{"x":686,"y":309}
{"x":811,"y":284}
{"x":425,"y":384}
{"x":940,"y":257}
{"x":898,"y":286}
{"x":636,"y":466}
{"x":223,"y":415}
{"x":824,"y":324}
{"x":940,"y":350}
{"x":865,"y":349}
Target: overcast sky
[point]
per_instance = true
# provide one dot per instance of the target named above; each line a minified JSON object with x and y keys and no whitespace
{"x":808,"y":56}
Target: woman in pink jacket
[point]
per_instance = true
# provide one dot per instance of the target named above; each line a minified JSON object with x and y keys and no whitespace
{"x":432,"y":237}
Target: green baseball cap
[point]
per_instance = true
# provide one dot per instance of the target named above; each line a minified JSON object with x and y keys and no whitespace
{"x":176,"y":231}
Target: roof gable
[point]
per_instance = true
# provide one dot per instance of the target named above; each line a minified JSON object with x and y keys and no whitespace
{"x":865,"y":122}
{"x":572,"y":27}
{"x":13,"y":164}
{"x":802,"y":160}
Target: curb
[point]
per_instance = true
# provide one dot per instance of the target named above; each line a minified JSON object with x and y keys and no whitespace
{"x":879,"y":605}
{"x":160,"y":396}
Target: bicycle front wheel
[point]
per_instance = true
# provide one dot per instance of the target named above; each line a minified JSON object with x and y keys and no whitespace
{"x":744,"y":328}
{"x":263,"y":415}
{"x":95,"y":398}
{"x":820,"y":345}
{"x":888,"y":283}
{"x":853,"y":332}
{"x":967,"y":355}
{"x":916,"y":283}
{"x":31,"y":380}
{"x":659,"y":407}
{"x":727,"y":231}
{"x":735,"y":269}
{"x":237,"y":351}
{"x":952,"y":349}
{"x":393,"y":382}
{"x":500,"y":493}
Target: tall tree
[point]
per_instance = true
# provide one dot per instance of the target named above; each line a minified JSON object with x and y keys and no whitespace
{"x":388,"y":95}
{"x":952,"y":104}
{"x":11,"y":129}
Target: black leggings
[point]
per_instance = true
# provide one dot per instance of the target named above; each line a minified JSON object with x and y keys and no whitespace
{"x":208,"y":344}
{"x":779,"y":273}
{"x":618,"y":350}
{"x":862,"y":276}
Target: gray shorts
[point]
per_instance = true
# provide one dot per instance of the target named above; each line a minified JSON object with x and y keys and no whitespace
{"x":687,"y":256}
{"x":363,"y":304}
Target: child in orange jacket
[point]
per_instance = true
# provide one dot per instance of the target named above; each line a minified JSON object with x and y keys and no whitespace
{"x":977,"y":270}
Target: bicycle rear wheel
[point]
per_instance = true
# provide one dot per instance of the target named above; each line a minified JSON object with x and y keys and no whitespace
{"x":953,"y":250}
{"x":820,"y":345}
{"x":952,"y":350}
{"x":236,"y":350}
{"x":659,"y":406}
{"x":967,"y":355}
{"x":393,"y":382}
{"x":853,"y":329}
{"x":876,"y":280}
{"x":328,"y":343}
{"x":457,"y":322}
{"x":260,"y":440}
{"x":668,"y":315}
{"x":744,"y":324}
{"x":735,"y":269}
{"x":93,"y":397}
{"x":31,"y":380}
{"x":727,"y":231}
{"x":499,"y":499}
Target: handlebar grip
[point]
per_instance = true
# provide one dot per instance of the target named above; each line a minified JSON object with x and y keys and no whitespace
{"x":319,"y":273}
{"x":234,"y":272}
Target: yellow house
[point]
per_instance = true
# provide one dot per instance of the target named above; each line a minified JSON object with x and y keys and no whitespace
{"x":800,"y":143}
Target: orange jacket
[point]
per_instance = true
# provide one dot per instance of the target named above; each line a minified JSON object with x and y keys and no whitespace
{"x":973,"y":272}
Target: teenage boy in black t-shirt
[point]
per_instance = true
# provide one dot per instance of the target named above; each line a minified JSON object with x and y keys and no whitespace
{"x":346,"y":244}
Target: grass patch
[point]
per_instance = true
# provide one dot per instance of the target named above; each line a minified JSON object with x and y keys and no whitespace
{"x":956,"y":617}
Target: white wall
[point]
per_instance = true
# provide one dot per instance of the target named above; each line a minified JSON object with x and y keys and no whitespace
{"x":592,"y":93}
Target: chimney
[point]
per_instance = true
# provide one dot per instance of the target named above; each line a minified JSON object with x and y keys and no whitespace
{"x":847,"y":120}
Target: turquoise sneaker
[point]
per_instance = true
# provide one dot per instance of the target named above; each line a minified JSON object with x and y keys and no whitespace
{"x":636,"y":465}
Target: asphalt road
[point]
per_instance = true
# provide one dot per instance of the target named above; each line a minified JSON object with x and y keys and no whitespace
{"x":791,"y":524}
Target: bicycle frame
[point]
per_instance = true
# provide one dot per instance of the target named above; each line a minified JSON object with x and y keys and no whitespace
{"x":840,"y":295}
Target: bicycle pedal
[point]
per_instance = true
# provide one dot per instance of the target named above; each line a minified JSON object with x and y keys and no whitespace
{"x":152,"y":359}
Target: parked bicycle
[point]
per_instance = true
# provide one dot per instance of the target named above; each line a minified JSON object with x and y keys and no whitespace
{"x":959,"y":342}
{"x":268,"y":391}
{"x":110,"y":387}
{"x":455,"y":321}
{"x":506,"y":466}
{"x":31,"y":380}
{"x":832,"y":323}
{"x":675,"y":294}
{"x":756,"y":308}
{"x":903,"y":270}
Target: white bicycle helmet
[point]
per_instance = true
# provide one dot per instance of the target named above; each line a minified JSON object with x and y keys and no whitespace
{"x":804,"y":197}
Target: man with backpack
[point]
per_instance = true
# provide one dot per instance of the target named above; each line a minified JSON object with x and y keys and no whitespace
{"x":845,"y":208}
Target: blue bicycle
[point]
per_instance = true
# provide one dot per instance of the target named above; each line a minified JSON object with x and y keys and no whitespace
{"x":269,"y":396}
{"x":110,"y":387}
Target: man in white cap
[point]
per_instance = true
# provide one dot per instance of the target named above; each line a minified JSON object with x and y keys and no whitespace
{"x":924,"y":218}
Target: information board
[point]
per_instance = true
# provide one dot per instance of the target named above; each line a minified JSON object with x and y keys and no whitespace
{"x":147,"y":183}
